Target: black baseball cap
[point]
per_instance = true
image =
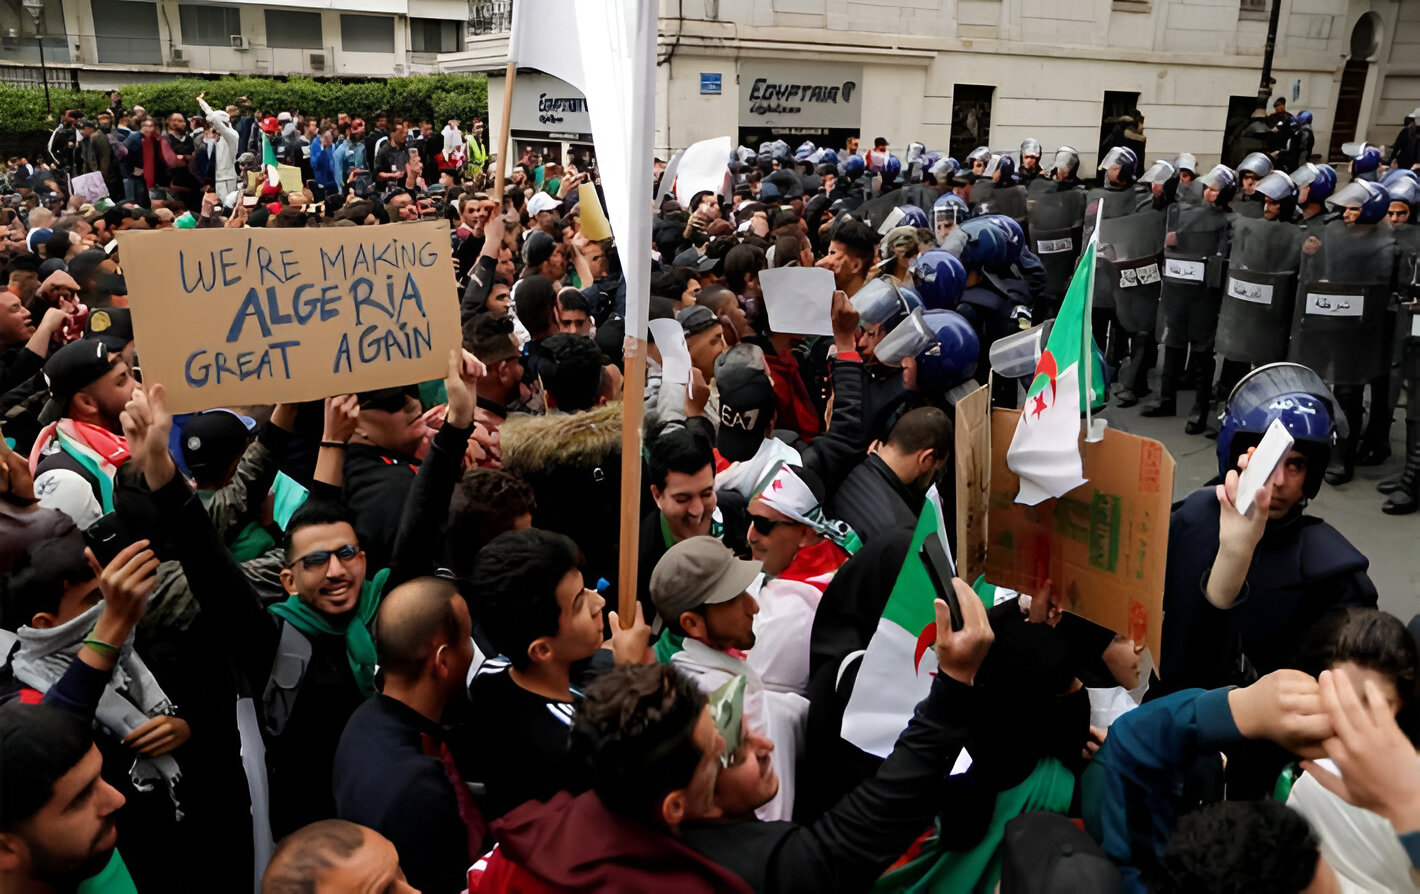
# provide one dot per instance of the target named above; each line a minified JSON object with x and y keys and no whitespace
{"x":1046,"y":853}
{"x":111,"y":325}
{"x":692,"y":258}
{"x":746,"y":401}
{"x":390,"y":400}
{"x":212,"y":439}
{"x":696,"y":318}
{"x":537,"y":248}
{"x":74,"y":366}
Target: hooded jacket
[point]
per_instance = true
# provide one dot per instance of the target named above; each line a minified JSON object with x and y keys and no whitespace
{"x":573,"y":462}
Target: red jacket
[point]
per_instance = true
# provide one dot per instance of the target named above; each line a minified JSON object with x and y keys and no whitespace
{"x":791,"y":397}
{"x":574,"y":844}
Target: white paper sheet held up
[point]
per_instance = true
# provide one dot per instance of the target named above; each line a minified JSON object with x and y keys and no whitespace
{"x":675,"y":356}
{"x":1274,"y":446}
{"x":702,"y":166}
{"x":799,"y":299}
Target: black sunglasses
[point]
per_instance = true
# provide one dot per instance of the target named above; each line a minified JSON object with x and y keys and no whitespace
{"x":765,"y":526}
{"x":321,"y":557}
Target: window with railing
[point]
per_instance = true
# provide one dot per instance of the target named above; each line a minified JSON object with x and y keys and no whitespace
{"x":490,"y":16}
{"x":209,"y":26}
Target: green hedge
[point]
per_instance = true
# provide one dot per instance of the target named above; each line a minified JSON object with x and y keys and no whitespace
{"x":436,"y":97}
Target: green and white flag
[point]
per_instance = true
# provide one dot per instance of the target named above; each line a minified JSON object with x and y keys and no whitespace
{"x":1069,"y":380}
{"x":269,"y":162}
{"x":901,"y":659}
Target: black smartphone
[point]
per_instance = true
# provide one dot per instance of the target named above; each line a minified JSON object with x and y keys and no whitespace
{"x":940,"y":570}
{"x":107,"y":537}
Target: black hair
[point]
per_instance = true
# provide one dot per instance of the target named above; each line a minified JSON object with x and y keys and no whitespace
{"x":574,"y":377}
{"x":515,"y":578}
{"x":676,"y":449}
{"x":536,"y":303}
{"x":404,"y":643}
{"x":1233,"y":847}
{"x":570,"y":299}
{"x":257,"y":217}
{"x":486,"y":503}
{"x":307,"y":853}
{"x":925,"y":428}
{"x":37,"y":582}
{"x":715,"y":297}
{"x":635,"y":729}
{"x":669,"y":283}
{"x":315,"y":512}
{"x":58,"y":244}
{"x":1370,"y":639}
{"x":742,"y":262}
{"x":857,"y":238}
{"x":485,"y":331}
{"x":38,"y":745}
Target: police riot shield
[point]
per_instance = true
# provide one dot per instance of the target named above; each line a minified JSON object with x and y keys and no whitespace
{"x":1009,"y":200}
{"x":876,"y":210}
{"x":1057,"y":218}
{"x":1249,"y":208}
{"x":1190,"y":193}
{"x":1407,"y":281}
{"x":1131,"y":248}
{"x":1117,"y":203}
{"x":1255,"y":321}
{"x":1195,"y":256}
{"x":1343,"y":296}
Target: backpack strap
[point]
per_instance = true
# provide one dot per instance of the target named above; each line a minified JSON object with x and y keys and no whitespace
{"x":288,"y":669}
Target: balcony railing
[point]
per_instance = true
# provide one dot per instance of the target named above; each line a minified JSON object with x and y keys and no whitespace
{"x":490,"y":17}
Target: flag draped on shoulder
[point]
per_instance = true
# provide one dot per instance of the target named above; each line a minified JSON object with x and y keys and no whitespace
{"x":269,"y":162}
{"x":611,"y":58}
{"x":901,"y":659}
{"x":1069,"y":380}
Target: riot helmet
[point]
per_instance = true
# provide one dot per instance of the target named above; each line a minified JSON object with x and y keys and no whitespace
{"x":1187,"y":162}
{"x":913,"y":216}
{"x":1395,"y":174}
{"x":1366,"y":160}
{"x":1223,"y":179}
{"x":1404,"y":194}
{"x":953,"y":358}
{"x":940,"y":278}
{"x":980,"y":155}
{"x":1004,"y":165}
{"x":942,"y":170}
{"x":829,"y":157}
{"x":1126,"y":161}
{"x":1369,"y":201}
{"x":892,"y":170}
{"x":1277,"y":188}
{"x":1318,"y":180}
{"x":914,"y":152}
{"x":1297,"y":397}
{"x":853,"y":167}
{"x":1255,"y":164}
{"x":1159,"y":173}
{"x":908,"y":338}
{"x":1304,"y":119}
{"x":990,"y":243}
{"x":1030,"y":146}
{"x":880,"y":302}
{"x":949,"y":210}
{"x":805,"y":150}
{"x":1067,"y":162}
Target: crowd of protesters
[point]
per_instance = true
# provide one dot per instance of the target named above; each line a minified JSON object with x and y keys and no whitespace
{"x":369,"y":643}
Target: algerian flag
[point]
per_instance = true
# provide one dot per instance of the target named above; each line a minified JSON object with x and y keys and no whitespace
{"x":1069,"y":380}
{"x":269,"y":162}
{"x":901,"y":659}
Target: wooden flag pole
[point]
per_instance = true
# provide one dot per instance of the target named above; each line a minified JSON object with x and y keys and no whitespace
{"x":632,"y":409}
{"x":500,"y":170}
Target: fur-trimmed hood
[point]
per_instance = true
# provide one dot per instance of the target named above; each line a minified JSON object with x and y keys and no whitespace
{"x":536,"y":443}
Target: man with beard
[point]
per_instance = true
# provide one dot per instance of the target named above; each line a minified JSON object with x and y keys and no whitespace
{"x":887,"y":488}
{"x":701,"y":590}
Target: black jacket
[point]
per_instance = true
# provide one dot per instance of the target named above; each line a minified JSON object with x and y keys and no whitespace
{"x":384,"y":780}
{"x":376,"y":481}
{"x":851,"y":845}
{"x":872,"y":499}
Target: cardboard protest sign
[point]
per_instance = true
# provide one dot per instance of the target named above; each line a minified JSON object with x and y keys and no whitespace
{"x":91,"y":186}
{"x":595,"y":226}
{"x":972,"y":456}
{"x":290,"y":178}
{"x":252,"y":316}
{"x":1103,"y":544}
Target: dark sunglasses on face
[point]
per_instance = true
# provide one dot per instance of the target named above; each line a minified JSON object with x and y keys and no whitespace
{"x":765,"y":526}
{"x":321,"y":557}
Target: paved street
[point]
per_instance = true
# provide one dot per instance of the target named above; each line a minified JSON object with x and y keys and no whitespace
{"x":1391,"y":542}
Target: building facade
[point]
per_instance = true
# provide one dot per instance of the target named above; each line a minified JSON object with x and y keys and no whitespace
{"x":98,"y":44}
{"x":955,"y":74}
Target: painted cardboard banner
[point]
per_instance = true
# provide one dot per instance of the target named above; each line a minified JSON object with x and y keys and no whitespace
{"x":250,"y":316}
{"x":1104,"y":543}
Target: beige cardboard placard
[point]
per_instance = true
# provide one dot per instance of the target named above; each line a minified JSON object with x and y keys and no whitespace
{"x":972,"y":430}
{"x":254,"y":316}
{"x":1104,"y":544}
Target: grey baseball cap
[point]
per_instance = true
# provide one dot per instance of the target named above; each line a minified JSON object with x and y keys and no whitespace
{"x":698,"y":571}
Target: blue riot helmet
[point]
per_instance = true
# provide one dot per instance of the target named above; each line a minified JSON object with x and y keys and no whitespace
{"x":806,"y":148}
{"x":952,"y":359}
{"x":914,"y":152}
{"x":912,"y":216}
{"x":853,"y":167}
{"x":880,"y":302}
{"x":910,"y":337}
{"x":1005,"y":165}
{"x":942,"y":170}
{"x":1225,"y":180}
{"x":892,"y":170}
{"x":1315,"y":183}
{"x":1303,"y":119}
{"x":1366,"y":161}
{"x":1127,"y":162}
{"x":940,"y":278}
{"x":930,"y":158}
{"x":991,"y":244}
{"x":1405,"y":190}
{"x":829,"y":157}
{"x":1256,"y":164}
{"x":1396,"y":174}
{"x":1294,"y":395}
{"x":949,"y":210}
{"x":1370,"y":198}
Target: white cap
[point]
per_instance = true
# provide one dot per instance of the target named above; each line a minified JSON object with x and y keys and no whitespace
{"x":541,"y":202}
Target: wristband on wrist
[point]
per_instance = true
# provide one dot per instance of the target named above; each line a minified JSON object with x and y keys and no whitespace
{"x":105,"y":649}
{"x":338,"y":445}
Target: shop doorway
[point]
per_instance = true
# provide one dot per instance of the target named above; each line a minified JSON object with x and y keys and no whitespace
{"x":1116,"y":108}
{"x":971,"y":118}
{"x":1245,"y":131}
{"x":1348,"y":107}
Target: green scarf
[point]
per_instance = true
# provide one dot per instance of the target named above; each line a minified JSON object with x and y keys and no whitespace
{"x":716,"y":530}
{"x":359,"y":644}
{"x":112,"y":879}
